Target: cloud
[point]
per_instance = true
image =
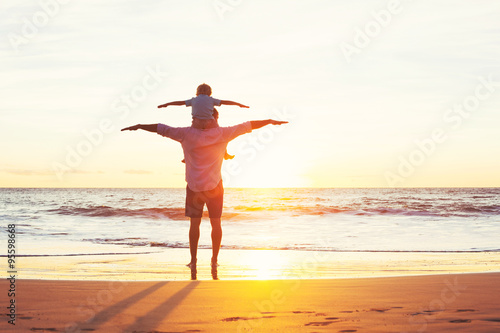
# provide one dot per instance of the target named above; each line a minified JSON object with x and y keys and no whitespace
{"x":138,"y":172}
{"x":41,"y":172}
{"x":29,"y":172}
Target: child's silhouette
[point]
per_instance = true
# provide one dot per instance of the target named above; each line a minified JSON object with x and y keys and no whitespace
{"x":202,"y":109}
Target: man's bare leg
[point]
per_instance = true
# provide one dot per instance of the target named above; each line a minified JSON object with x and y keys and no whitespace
{"x":194,"y":236}
{"x":216,"y":239}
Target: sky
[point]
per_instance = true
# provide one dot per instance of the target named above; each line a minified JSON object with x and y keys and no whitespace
{"x":377,"y":93}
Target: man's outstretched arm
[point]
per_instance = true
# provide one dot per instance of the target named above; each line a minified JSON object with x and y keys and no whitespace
{"x":172,"y":103}
{"x":150,"y":128}
{"x":261,"y":123}
{"x":233,"y":103}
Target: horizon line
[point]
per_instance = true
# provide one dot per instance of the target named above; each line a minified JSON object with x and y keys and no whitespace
{"x":260,"y":188}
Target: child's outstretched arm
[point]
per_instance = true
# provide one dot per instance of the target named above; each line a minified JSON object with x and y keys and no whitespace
{"x":172,"y":103}
{"x":233,"y":103}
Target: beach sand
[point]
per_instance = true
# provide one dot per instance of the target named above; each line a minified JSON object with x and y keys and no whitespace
{"x":433,"y":303}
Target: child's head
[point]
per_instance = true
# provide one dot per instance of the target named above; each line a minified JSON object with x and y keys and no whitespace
{"x":204,"y":89}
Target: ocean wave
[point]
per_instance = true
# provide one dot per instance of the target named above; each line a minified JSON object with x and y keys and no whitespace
{"x":141,"y":242}
{"x":247,"y":211}
{"x":107,"y":211}
{"x":172,"y":213}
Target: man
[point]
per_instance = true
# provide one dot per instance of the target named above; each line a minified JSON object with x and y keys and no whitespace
{"x":203,"y":153}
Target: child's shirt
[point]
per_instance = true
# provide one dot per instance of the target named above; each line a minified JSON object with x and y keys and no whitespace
{"x":202,"y":106}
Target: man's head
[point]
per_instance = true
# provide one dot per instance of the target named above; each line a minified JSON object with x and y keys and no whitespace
{"x":204,"y":89}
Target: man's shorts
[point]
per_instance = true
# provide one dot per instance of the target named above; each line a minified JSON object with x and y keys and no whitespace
{"x":195,"y":201}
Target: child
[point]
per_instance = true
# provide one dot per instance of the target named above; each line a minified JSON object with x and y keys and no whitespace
{"x":202,"y":109}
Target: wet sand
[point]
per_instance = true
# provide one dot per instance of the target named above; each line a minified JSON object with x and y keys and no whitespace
{"x":170,"y":264}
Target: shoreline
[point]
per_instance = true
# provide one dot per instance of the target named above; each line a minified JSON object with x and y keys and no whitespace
{"x":170,"y":264}
{"x":250,"y":279}
{"x":441,"y":303}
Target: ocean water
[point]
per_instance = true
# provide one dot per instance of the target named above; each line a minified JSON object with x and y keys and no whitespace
{"x":86,"y":221}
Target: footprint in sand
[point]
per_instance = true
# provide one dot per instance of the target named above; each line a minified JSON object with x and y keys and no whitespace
{"x":426,"y":312}
{"x":466,"y":310}
{"x":460,"y":321}
{"x":319,"y":323}
{"x":51,"y":329}
{"x":346,"y":331}
{"x":432,"y":311}
{"x":245,"y":318}
{"x":496,"y":320}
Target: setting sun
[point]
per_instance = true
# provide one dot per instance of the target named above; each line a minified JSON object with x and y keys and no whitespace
{"x":265,"y":264}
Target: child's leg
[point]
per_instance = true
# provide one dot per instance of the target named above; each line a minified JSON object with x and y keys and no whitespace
{"x":216,"y":117}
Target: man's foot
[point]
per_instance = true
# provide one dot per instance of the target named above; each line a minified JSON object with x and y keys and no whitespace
{"x":228,"y":157}
{"x":214,"y":264}
{"x":215,"y":274}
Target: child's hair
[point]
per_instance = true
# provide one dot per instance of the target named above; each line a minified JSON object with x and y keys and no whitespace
{"x":204,"y":89}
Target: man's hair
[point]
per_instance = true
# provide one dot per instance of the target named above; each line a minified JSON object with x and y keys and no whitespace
{"x":204,"y":89}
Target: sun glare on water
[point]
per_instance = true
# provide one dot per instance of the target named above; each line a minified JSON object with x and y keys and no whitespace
{"x":265,"y":264}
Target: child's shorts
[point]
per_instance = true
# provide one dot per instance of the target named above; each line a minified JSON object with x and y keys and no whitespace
{"x":195,"y":201}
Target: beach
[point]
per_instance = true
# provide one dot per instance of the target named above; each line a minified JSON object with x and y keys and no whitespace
{"x":437,"y":303}
{"x":292,"y":260}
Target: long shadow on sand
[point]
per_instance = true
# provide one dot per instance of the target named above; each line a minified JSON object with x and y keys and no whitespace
{"x":154,"y":317}
{"x":109,"y":312}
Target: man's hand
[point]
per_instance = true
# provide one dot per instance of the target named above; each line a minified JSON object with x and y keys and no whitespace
{"x":163,"y":105}
{"x":261,"y":123}
{"x":243,"y":106}
{"x":150,"y":128}
{"x":132,"y":128}
{"x":278,"y":122}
